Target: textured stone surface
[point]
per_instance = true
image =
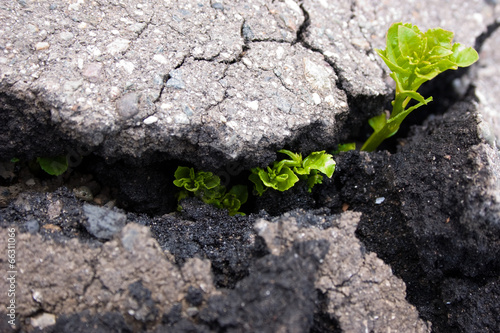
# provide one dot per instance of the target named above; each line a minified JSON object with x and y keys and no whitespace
{"x":347,"y":32}
{"x":487,"y":89}
{"x":212,"y":82}
{"x":200,"y":81}
{"x":103,"y":223}
{"x":362,"y":293}
{"x":130,"y":275}
{"x":132,"y":278}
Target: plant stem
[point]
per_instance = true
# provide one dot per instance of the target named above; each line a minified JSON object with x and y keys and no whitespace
{"x":389,"y":129}
{"x":376,"y":139}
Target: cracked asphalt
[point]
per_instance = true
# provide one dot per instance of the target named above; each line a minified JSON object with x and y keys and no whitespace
{"x":201,"y":81}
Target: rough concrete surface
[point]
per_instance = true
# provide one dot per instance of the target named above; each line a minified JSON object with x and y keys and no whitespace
{"x":487,"y":89}
{"x":132,"y":278}
{"x":71,"y":277}
{"x":138,"y":88}
{"x":361,"y":291}
{"x":194,"y":79}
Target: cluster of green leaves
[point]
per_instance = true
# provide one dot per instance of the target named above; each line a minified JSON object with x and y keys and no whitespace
{"x":207,"y":187}
{"x":414,"y":57}
{"x":54,"y":166}
{"x":285,"y":173}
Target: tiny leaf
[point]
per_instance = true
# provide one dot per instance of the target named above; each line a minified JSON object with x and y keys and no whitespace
{"x":255,"y":178}
{"x":463,"y":56}
{"x":54,"y":166}
{"x":320,"y":161}
{"x":378,"y":122}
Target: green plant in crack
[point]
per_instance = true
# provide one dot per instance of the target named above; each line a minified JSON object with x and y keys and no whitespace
{"x":54,"y":166}
{"x":414,"y":57}
{"x":283,"y":175}
{"x":206,"y":186}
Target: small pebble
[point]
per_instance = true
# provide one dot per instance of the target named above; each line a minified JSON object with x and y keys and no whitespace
{"x":175,"y":81}
{"x":42,"y":46}
{"x":218,"y":5}
{"x":119,"y":45}
{"x":66,"y":35}
{"x":93,"y":72}
{"x":150,"y":120}
{"x":43,"y":320}
{"x":51,"y":228}
{"x":83,"y":193}
{"x":378,"y":201}
{"x":160,"y":58}
{"x":101,"y":199}
{"x":128,"y":105}
{"x":32,"y":226}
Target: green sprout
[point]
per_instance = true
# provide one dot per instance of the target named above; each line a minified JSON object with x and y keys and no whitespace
{"x":206,"y":186}
{"x":54,"y":166}
{"x":285,"y":173}
{"x":343,"y":147}
{"x":414,"y":57}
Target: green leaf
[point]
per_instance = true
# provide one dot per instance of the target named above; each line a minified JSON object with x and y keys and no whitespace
{"x":314,"y":179}
{"x":212,"y":195}
{"x":392,"y":51}
{"x":463,"y":56}
{"x":296,"y":160}
{"x":279,"y":180}
{"x":438,"y":37}
{"x":414,"y":95}
{"x":378,"y":122}
{"x":286,"y":182}
{"x":320,"y":161}
{"x":241,"y":192}
{"x":409,"y":42}
{"x":255,"y":178}
{"x":438,"y":52}
{"x":185,"y":177}
{"x":344,"y":147}
{"x":195,"y":181}
{"x":392,"y":66}
{"x":54,"y":166}
{"x":233,"y":200}
{"x":14,"y":160}
{"x":207,"y":179}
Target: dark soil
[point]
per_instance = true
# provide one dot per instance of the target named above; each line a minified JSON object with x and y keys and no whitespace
{"x":417,"y":205}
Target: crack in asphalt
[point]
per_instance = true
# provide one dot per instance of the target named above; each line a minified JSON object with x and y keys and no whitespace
{"x":301,"y":38}
{"x":483,"y":37}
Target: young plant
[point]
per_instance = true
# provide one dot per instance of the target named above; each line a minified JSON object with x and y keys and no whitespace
{"x":414,"y":57}
{"x":343,"y":147}
{"x":285,"y":173}
{"x":206,"y":186}
{"x":54,"y":166}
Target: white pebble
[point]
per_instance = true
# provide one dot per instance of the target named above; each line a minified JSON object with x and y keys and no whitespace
{"x":254,"y":105}
{"x":42,"y":46}
{"x":150,"y":120}
{"x":316,"y":98}
{"x":160,"y":58}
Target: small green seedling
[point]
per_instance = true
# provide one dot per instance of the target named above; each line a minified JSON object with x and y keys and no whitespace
{"x":285,"y":173}
{"x":414,"y":57}
{"x":343,"y":147}
{"x":206,"y":186}
{"x":54,"y":166}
